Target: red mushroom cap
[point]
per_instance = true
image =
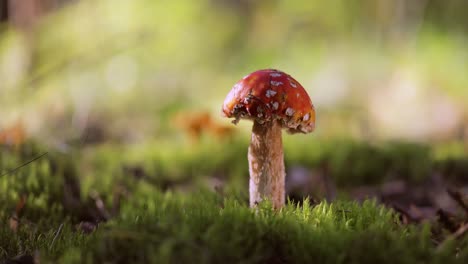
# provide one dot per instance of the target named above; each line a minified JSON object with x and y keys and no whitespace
{"x":267,"y":95}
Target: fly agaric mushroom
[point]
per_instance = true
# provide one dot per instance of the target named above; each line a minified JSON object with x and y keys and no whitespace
{"x":273,"y":100}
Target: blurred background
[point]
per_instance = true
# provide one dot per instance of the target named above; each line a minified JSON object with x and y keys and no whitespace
{"x":110,"y":110}
{"x":374,"y":69}
{"x":142,"y":82}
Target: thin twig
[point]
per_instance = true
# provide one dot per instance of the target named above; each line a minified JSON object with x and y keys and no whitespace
{"x":461,"y":231}
{"x":24,"y":164}
{"x":444,"y":218}
{"x":56,"y":235}
{"x":406,"y":217}
{"x":457,"y":197}
{"x":457,"y":235}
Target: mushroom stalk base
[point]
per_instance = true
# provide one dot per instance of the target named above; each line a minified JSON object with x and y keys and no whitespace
{"x":266,"y":164}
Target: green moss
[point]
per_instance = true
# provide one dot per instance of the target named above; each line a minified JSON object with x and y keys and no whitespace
{"x":40,"y":182}
{"x":156,"y":224}
{"x":156,"y":227}
{"x":177,"y":165}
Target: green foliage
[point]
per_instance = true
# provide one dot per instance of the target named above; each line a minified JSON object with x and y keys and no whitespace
{"x":205,"y":228}
{"x":156,"y":224}
{"x":40,"y":183}
{"x":175,"y":166}
{"x":349,"y":163}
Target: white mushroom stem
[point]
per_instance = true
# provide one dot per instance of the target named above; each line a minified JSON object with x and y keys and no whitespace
{"x":266,"y":164}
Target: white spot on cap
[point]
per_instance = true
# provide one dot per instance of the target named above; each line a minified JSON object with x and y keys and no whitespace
{"x":270,"y":93}
{"x":275,"y":83}
{"x":275,"y":74}
{"x":275,"y":105}
{"x":292,"y":84}
{"x":306,"y":117}
{"x":289,"y":111}
{"x":297,"y":95}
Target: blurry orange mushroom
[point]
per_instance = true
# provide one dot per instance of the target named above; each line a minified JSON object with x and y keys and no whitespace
{"x":196,"y":124}
{"x":13,"y":135}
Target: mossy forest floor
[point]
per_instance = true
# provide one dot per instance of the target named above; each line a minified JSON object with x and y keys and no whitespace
{"x":349,"y":202}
